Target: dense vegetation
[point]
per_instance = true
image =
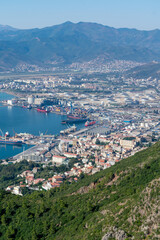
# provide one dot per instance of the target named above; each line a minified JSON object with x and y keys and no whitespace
{"x":8,"y":173}
{"x":125,"y":197}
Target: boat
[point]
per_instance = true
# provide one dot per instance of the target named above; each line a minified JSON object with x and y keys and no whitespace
{"x":73,"y":117}
{"x":89,"y":123}
{"x":79,"y":120}
{"x":10,"y":142}
{"x":63,"y":122}
{"x":28,"y":107}
{"x":7,"y":134}
{"x":43,"y":110}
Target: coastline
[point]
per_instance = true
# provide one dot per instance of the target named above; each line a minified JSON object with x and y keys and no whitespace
{"x":14,"y":94}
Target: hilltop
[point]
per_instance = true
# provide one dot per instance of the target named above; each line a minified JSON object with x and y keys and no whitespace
{"x":149,"y":70}
{"x":121,"y":202}
{"x":67,"y":43}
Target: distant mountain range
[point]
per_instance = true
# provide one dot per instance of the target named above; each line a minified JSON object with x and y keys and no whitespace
{"x":68,"y":43}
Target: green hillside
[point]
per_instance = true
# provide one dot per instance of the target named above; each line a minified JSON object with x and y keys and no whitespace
{"x":121,"y":202}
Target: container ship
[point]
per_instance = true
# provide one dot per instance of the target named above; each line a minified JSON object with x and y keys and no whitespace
{"x":43,"y":110}
{"x":89,"y":123}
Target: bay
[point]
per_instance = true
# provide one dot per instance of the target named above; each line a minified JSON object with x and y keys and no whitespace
{"x":17,"y":120}
{"x":7,"y":151}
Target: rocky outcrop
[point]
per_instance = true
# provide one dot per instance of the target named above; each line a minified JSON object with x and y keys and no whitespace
{"x":115,"y":233}
{"x":85,"y":189}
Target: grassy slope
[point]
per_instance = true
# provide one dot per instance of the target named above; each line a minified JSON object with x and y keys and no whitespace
{"x":125,"y":195}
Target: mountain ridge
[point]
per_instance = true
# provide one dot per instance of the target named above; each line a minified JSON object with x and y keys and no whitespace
{"x":76,"y":42}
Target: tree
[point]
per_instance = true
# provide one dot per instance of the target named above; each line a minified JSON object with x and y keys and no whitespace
{"x":97,"y":141}
{"x":10,"y":233}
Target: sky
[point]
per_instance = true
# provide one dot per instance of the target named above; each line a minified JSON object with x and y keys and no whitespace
{"x":24,"y":14}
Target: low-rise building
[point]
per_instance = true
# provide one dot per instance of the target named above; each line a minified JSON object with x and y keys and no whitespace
{"x":128,"y":143}
{"x":58,"y":160}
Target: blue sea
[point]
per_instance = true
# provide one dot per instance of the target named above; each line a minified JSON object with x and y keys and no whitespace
{"x":17,"y":120}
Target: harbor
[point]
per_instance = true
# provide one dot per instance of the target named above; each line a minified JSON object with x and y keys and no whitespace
{"x":8,"y":151}
{"x":47,"y":145}
{"x":16,"y":120}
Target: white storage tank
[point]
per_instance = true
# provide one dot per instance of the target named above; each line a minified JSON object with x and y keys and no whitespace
{"x":30,"y":99}
{"x":10,"y":102}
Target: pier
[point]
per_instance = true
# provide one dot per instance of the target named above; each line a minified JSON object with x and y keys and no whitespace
{"x":31,"y":150}
{"x":84,"y":130}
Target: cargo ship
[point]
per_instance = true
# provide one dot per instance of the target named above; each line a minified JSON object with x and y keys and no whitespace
{"x":73,"y":117}
{"x":89,"y":123}
{"x":43,"y":110}
{"x":10,"y":142}
{"x":79,"y":120}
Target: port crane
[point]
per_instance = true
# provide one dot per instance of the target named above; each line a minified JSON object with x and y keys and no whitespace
{"x":15,"y":134}
{"x":2,"y":132}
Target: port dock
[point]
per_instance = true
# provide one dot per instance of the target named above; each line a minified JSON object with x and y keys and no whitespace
{"x":17,"y":158}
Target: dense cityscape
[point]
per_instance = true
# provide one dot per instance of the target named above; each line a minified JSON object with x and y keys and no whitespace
{"x":120,"y":117}
{"x":79,"y":120}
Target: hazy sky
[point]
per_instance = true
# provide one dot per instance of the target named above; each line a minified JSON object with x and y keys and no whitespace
{"x":140,"y":14}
